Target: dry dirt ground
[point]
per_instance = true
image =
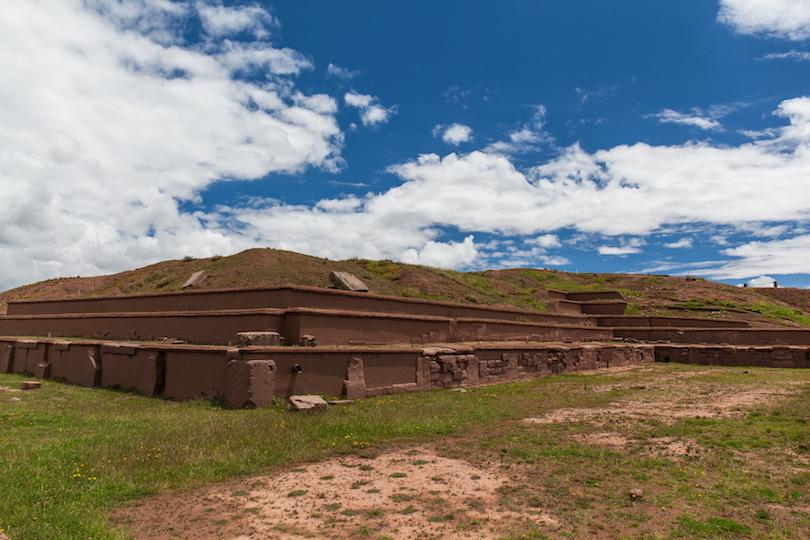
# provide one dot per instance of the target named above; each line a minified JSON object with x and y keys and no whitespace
{"x":689,"y":440}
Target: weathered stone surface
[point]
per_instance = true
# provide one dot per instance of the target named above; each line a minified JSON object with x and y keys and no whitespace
{"x":43,"y":370}
{"x":6,"y":358}
{"x":347,"y":282}
{"x":195,"y":279}
{"x":30,"y":385}
{"x":354,"y":386}
{"x":308,"y":341}
{"x":247,"y":339}
{"x":307,"y":403}
{"x":249,"y":383}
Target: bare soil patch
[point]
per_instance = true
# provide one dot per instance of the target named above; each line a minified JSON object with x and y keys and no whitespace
{"x":675,"y":402}
{"x":403,"y":494}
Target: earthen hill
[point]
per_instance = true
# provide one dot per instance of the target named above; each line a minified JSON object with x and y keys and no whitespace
{"x":266,"y":323}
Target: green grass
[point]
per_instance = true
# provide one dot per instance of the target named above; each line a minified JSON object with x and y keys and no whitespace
{"x":713,"y":527}
{"x":779,"y":312}
{"x":70,"y":455}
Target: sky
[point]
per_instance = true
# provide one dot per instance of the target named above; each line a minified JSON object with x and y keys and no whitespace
{"x":581,"y":135}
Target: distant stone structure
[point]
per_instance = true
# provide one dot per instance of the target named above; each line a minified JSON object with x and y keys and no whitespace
{"x":246,"y":346}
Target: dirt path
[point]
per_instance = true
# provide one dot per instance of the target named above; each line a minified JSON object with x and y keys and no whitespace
{"x":417,"y":493}
{"x":406,"y":494}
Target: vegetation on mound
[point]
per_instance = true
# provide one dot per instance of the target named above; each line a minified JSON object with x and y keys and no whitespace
{"x":522,"y":287}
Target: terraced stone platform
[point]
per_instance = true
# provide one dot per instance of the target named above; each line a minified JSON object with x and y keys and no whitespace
{"x":181,"y":345}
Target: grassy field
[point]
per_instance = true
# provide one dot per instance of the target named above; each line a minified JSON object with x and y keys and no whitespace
{"x":718,"y":452}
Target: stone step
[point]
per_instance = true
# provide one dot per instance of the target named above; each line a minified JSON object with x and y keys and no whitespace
{"x":728,"y":336}
{"x":283,"y":298}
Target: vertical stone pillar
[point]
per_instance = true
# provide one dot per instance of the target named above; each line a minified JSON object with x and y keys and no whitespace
{"x":249,"y":383}
{"x":354,"y":386}
{"x":6,"y":358}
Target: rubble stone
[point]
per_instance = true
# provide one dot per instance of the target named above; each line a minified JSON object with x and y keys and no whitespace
{"x":347,"y":282}
{"x":307,"y":403}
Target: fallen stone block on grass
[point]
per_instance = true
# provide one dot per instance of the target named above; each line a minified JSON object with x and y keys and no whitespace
{"x":30,"y":385}
{"x":307,"y":403}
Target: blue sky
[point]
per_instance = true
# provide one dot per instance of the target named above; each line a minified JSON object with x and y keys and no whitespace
{"x":632,"y":136}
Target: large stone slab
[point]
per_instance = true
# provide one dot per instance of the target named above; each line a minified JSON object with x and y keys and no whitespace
{"x":307,"y":403}
{"x":6,"y":358}
{"x":249,"y":383}
{"x":195,"y":279}
{"x":132,"y":368}
{"x":247,"y":339}
{"x":354,"y":386}
{"x":347,"y":282}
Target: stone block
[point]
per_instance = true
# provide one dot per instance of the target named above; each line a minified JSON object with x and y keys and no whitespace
{"x":308,"y":341}
{"x":347,"y":282}
{"x":82,"y":364}
{"x":43,"y":370}
{"x":249,"y":383}
{"x":354,"y":386}
{"x":307,"y":403}
{"x":247,"y":339}
{"x":6,"y":358}
{"x":30,"y":385}
{"x":195,"y":279}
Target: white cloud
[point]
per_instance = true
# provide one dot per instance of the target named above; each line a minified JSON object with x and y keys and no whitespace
{"x":669,"y":116}
{"x":787,"y":19}
{"x":218,"y":20}
{"x":110,"y":120}
{"x":340,"y":72}
{"x":680,"y":244}
{"x":546,"y":241}
{"x":761,"y":281}
{"x":526,"y":138}
{"x":109,"y":123}
{"x":627,"y":247}
{"x":454,"y":134}
{"x":794,"y":55}
{"x":371,"y":112}
{"x":787,"y":256}
{"x":443,"y":255}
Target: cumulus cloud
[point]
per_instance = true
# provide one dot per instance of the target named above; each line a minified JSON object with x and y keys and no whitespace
{"x":786,"y":256}
{"x":454,"y":134}
{"x":338,"y":72}
{"x":761,"y":281}
{"x":794,"y":55}
{"x":627,"y":247}
{"x":546,"y":241}
{"x":110,"y":119}
{"x":219,"y":20}
{"x":529,"y":137}
{"x":669,"y":116}
{"x":787,"y":19}
{"x":113,"y":126}
{"x":443,"y":254}
{"x":680,"y":244}
{"x":371,"y":112}
{"x":627,"y":191}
